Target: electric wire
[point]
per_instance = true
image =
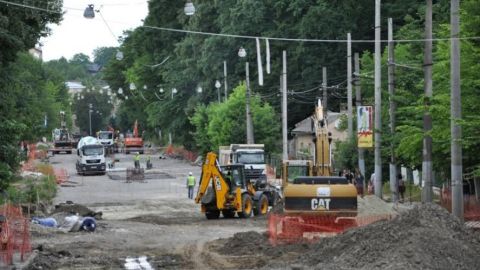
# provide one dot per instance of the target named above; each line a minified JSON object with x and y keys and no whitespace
{"x":265,"y":37}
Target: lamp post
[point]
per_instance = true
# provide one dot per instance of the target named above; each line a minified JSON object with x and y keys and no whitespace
{"x":90,"y":117}
{"x":189,"y":8}
{"x":199,"y":89}
{"x":218,"y":85}
{"x":174,"y":91}
{"x":250,"y":138}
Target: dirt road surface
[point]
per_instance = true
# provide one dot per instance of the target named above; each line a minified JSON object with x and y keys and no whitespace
{"x":152,"y":219}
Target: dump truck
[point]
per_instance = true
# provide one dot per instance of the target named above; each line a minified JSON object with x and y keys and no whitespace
{"x":226,"y":190}
{"x":62,"y":140}
{"x":313,"y":199}
{"x":252,"y":156}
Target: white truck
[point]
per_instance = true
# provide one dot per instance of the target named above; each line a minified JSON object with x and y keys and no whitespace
{"x":90,"y":156}
{"x":251,"y":155}
{"x":106,"y":139}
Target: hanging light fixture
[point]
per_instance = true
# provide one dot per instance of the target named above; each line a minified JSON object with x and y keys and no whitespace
{"x":120,"y":91}
{"x":89,"y":12}
{"x":189,"y":8}
{"x":161,"y":90}
{"x":132,"y":86}
{"x":101,"y":92}
{"x":119,"y":55}
{"x":126,"y":97}
{"x":199,"y":89}
{"x":241,"y":52}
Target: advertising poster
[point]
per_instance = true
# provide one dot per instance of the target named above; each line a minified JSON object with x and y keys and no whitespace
{"x":365,"y":126}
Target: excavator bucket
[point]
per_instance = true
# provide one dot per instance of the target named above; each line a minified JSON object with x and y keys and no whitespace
{"x":135,"y":129}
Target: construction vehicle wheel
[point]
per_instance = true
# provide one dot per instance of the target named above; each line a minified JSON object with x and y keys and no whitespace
{"x":228,"y":213}
{"x":247,"y":206}
{"x":261,"y":206}
{"x":214,"y":214}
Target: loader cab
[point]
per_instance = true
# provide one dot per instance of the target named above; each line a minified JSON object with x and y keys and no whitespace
{"x":235,"y":173}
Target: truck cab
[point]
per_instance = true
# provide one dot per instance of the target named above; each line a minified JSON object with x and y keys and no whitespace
{"x":106,"y":139}
{"x":252,"y":156}
{"x":90,"y":157}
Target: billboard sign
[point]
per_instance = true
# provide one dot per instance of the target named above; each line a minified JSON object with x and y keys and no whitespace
{"x":365,"y":126}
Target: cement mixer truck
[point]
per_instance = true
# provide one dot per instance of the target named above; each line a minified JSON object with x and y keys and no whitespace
{"x":90,"y":156}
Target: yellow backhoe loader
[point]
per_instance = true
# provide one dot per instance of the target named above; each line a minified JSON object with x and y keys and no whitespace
{"x":226,"y":190}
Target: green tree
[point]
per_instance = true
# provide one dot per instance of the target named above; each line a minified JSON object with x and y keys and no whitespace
{"x":224,"y":123}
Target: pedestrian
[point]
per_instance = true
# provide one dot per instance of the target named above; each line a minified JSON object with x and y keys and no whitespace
{"x":401,"y":187}
{"x":190,"y":184}
{"x":371,"y":187}
{"x":136,"y":160}
{"x":359,"y":182}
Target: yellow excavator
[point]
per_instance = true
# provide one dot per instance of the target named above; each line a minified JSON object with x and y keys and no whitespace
{"x":308,"y":186}
{"x":224,"y":189}
{"x":313,"y":199}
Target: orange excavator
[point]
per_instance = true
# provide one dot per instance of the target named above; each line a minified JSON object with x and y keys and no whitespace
{"x":133,"y":142}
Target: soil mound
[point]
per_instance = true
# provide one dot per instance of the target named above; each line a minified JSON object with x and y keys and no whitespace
{"x":71,"y":207}
{"x":426,"y":237}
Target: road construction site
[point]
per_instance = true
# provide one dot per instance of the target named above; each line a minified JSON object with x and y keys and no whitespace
{"x":151,"y":224}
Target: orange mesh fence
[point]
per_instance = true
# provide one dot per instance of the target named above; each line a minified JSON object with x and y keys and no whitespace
{"x":14,"y":235}
{"x":471,"y":206}
{"x":180,"y":152}
{"x":61,"y":175}
{"x":284,"y":228}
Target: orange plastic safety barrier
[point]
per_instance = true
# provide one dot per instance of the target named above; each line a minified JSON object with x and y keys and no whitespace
{"x":61,"y":175}
{"x":14,"y":234}
{"x":284,"y":228}
{"x":471,"y":206}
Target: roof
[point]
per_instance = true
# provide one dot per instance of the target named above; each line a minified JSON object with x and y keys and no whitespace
{"x":94,"y":68}
{"x":74,"y":85}
{"x":306,"y":125}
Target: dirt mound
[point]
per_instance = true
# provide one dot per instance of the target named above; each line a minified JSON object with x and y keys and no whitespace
{"x":76,"y":208}
{"x":426,"y":237}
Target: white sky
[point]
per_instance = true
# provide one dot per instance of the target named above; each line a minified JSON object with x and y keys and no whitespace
{"x":75,"y":34}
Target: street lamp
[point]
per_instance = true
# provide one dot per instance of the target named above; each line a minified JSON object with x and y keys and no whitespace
{"x":250,"y":138}
{"x":161,"y":90}
{"x":189,"y":8}
{"x":174,"y":91}
{"x":199,"y":89}
{"x":132,"y":86}
{"x":89,"y":12}
{"x":119,"y":55}
{"x":218,"y":85}
{"x":120,"y":91}
{"x":90,"y":117}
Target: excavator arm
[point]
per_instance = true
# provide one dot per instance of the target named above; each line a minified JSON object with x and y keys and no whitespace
{"x":211,"y":176}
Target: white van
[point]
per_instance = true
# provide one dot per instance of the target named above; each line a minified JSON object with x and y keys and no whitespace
{"x":90,"y":156}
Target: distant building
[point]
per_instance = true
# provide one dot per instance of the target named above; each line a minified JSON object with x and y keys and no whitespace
{"x":94,"y":68}
{"x":302,"y":145}
{"x":74,"y":87}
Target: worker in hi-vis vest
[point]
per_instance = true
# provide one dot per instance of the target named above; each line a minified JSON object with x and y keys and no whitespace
{"x":136,"y":160}
{"x":190,"y":184}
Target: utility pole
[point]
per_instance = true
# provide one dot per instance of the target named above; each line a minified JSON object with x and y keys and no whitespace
{"x":378,"y":103}
{"x":324,"y":87}
{"x":393,"y":107}
{"x":427,"y":190}
{"x":358,"y":102}
{"x":250,"y":137}
{"x":349,"y":86}
{"x":456,"y":111}
{"x":284,"y":106}
{"x":225,"y":79}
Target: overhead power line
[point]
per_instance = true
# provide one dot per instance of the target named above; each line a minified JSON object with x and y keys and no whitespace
{"x":260,"y":37}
